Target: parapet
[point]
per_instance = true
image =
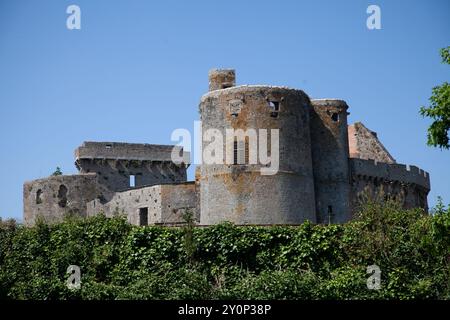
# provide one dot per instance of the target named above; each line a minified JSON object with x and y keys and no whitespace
{"x":337,"y":103}
{"x":253,"y":89}
{"x":393,"y":172}
{"x":127,"y":151}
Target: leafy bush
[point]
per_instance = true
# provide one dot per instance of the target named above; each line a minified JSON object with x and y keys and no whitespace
{"x":121,"y":261}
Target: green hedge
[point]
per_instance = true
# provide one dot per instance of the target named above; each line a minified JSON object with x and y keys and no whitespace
{"x":120,"y":261}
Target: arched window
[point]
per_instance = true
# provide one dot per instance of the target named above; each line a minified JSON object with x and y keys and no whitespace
{"x":38,"y":196}
{"x":62,"y":196}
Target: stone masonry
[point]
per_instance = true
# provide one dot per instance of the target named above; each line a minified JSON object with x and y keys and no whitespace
{"x":327,"y":168}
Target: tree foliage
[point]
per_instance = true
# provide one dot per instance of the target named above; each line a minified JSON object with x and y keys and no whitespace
{"x":439,"y":110}
{"x":121,"y":261}
{"x":57,"y":172}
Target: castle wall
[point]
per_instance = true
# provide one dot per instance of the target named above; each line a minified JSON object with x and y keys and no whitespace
{"x":239,"y":192}
{"x":364,"y":144}
{"x":329,"y":141}
{"x":379,"y":181}
{"x":163,"y":204}
{"x":115,"y":174}
{"x":54,"y":197}
{"x":326,"y":168}
{"x":116,"y":162}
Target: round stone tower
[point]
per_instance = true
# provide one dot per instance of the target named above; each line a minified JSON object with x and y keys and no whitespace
{"x":329,"y":141}
{"x":237,"y":182}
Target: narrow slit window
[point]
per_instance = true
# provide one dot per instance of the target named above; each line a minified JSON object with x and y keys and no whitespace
{"x":274,"y":107}
{"x":235,"y":152}
{"x":239,"y":151}
{"x":330,"y":214}
{"x":247,"y":151}
{"x":38,"y":196}
{"x":132,"y":181}
{"x":62,"y":196}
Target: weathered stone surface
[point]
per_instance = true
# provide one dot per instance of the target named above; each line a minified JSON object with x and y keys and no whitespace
{"x":329,"y":147}
{"x":221,"y":79}
{"x":408,"y":185}
{"x":54,"y":197}
{"x":105,"y":168}
{"x":239,"y":193}
{"x":164,"y":204}
{"x":364,"y":144}
{"x":326,"y":168}
{"x":115,"y":162}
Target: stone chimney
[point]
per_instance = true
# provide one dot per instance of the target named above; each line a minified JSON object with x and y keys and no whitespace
{"x":221,"y":79}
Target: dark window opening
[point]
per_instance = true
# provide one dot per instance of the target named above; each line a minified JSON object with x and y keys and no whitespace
{"x":132,"y":181}
{"x":62,"y":196}
{"x":330,"y":214}
{"x":38,"y":196}
{"x":235,"y":152}
{"x":138,"y":179}
{"x":102,"y":199}
{"x":335,"y":117}
{"x":274,"y":108}
{"x":143,"y":216}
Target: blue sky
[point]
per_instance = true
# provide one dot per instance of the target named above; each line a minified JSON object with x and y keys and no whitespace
{"x":136,"y":71}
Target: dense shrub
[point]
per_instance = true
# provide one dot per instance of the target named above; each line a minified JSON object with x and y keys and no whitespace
{"x":120,"y":261}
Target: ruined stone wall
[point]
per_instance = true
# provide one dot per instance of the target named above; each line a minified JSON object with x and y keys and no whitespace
{"x":364,"y":144}
{"x":164,"y":204}
{"x":378,"y":181}
{"x":329,"y":141}
{"x":54,"y":197}
{"x":176,"y":200}
{"x":238,"y":192}
{"x":116,"y":162}
{"x":115,"y":174}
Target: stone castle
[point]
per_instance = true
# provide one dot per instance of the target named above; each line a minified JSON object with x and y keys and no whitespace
{"x":326,"y":168}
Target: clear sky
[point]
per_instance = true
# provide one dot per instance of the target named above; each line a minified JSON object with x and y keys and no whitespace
{"x":136,"y":71}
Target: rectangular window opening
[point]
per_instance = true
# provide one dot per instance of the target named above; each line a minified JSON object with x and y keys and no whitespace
{"x":143,"y":216}
{"x":132,"y":181}
{"x":274,"y":108}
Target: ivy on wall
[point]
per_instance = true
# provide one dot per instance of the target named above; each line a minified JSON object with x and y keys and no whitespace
{"x":121,"y":261}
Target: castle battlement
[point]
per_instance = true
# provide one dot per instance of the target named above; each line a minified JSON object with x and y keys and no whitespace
{"x":390,"y":171}
{"x":323,"y":168}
